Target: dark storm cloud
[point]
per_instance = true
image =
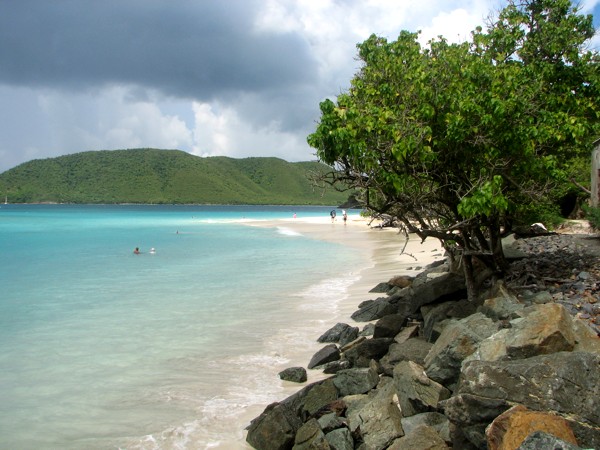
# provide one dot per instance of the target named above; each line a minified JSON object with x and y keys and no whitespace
{"x":187,"y":48}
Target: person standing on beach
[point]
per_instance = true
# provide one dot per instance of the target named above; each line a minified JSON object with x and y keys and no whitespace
{"x":345,"y":216}
{"x":332,"y":214}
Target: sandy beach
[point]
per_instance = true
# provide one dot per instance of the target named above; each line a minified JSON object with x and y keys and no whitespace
{"x":383,"y":259}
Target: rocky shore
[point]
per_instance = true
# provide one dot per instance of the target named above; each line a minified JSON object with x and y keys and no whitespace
{"x":520,"y":369}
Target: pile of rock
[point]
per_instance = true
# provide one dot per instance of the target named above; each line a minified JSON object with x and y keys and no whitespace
{"x":434,"y":371}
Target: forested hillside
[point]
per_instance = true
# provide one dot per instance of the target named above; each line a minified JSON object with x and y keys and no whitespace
{"x":165,"y":176}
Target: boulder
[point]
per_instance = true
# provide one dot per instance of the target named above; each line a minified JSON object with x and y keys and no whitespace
{"x":492,"y":348}
{"x":367,"y":330}
{"x":544,"y":329}
{"x":355,"y":381}
{"x":504,"y":307}
{"x":275,"y":428}
{"x":509,"y":429}
{"x":340,"y":439}
{"x":348,"y":335}
{"x":400,"y":281}
{"x":547,"y":328}
{"x":416,"y":392}
{"x":565,"y":382}
{"x":389,"y":326}
{"x":435,"y":285}
{"x":319,"y":398}
{"x":539,"y":440}
{"x":335,"y":366}
{"x":361,"y":354}
{"x":352,"y":344}
{"x":435,"y":420}
{"x":326,"y":354}
{"x":410,"y":331}
{"x":458,"y":340}
{"x":381,"y":288}
{"x":310,"y":437}
{"x":334,"y":333}
{"x":331,"y":421}
{"x":415,"y":349}
{"x":379,"y":419}
{"x":295,"y":374}
{"x":469,"y":416}
{"x":422,"y":437}
{"x":374,"y":310}
{"x":434,"y":316}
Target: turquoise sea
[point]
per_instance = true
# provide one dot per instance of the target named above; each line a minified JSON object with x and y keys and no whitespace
{"x":103,"y":349}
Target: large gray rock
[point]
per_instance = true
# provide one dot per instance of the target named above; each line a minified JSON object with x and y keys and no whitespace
{"x":348,"y":335}
{"x":504,"y":306}
{"x":389,"y":326}
{"x":379,"y":420}
{"x":435,"y":285}
{"x":435,"y":316}
{"x":539,"y":440}
{"x":432,"y":285}
{"x":458,"y":340}
{"x":334,"y":333}
{"x":310,"y":437}
{"x":543,"y":329}
{"x":275,"y":428}
{"x":415,"y":349}
{"x":361,"y":354}
{"x":546,"y":329}
{"x":295,"y":374}
{"x":416,"y":392}
{"x":340,"y":439}
{"x":423,"y":438}
{"x":435,"y":420}
{"x":318,"y":397}
{"x":374,"y":310}
{"x":326,"y":354}
{"x":565,"y":382}
{"x":410,"y":331}
{"x":355,"y":381}
{"x":330,"y":421}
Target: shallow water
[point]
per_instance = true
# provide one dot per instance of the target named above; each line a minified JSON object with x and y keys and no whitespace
{"x":101,"y":348}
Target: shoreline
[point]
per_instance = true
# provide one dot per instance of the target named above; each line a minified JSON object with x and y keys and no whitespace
{"x":382,"y":261}
{"x":382,"y":247}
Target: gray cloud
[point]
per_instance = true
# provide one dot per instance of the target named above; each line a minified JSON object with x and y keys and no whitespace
{"x":211,"y":77}
{"x":185,"y":48}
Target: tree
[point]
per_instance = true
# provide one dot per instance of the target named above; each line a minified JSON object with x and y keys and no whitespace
{"x":457,"y":141}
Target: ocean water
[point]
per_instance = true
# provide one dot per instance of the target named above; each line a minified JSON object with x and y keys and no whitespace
{"x":177,"y":349}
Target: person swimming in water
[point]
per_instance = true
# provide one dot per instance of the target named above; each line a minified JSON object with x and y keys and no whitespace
{"x":136,"y":251}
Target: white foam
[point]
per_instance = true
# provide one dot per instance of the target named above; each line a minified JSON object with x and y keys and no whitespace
{"x":287,"y":231}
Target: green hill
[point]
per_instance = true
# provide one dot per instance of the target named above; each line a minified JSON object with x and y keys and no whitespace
{"x":165,"y":176}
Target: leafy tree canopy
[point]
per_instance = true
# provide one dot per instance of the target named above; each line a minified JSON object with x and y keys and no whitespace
{"x":459,"y":141}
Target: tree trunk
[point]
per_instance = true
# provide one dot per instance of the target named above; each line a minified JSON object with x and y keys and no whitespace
{"x":469,"y":278}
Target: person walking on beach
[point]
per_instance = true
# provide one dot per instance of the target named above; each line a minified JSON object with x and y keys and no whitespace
{"x":345,"y":216}
{"x":332,"y":214}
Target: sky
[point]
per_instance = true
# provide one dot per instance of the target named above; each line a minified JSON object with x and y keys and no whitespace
{"x":234,"y":78}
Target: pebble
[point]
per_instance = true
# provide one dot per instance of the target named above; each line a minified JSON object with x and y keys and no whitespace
{"x":563,"y":266}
